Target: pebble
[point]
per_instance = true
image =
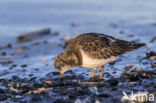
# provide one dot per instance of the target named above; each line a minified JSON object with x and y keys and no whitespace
{"x":153,"y":64}
{"x":138,"y":69}
{"x":152,"y":58}
{"x":24,"y":65}
{"x":55,"y":34}
{"x":128,"y":66}
{"x":153,"y":38}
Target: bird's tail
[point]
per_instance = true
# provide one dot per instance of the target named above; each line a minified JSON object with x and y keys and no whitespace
{"x":134,"y":46}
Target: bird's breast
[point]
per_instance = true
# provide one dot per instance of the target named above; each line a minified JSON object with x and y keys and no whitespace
{"x":90,"y":62}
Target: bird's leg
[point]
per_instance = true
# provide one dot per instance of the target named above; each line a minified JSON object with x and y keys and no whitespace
{"x":101,"y":74}
{"x":95,"y":70}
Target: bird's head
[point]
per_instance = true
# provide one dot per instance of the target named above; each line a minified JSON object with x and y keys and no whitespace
{"x":63,"y":62}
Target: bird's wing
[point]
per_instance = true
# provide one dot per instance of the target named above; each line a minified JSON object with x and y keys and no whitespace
{"x":103,"y":46}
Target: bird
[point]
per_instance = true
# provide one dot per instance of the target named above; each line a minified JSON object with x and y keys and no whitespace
{"x":92,"y":50}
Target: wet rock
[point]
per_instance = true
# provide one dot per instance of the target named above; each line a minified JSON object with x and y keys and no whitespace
{"x":128,"y":66}
{"x":6,"y":46}
{"x":45,"y":41}
{"x":2,"y":89}
{"x":55,"y":34}
{"x":74,"y":24}
{"x":36,"y":43}
{"x":104,"y":95}
{"x":3,"y":53}
{"x":3,"y":97}
{"x":61,"y":101}
{"x":53,"y":73}
{"x":25,"y":88}
{"x":153,"y":64}
{"x":113,"y":81}
{"x":138,"y":69}
{"x":13,"y":66}
{"x":152,"y":58}
{"x":121,"y":32}
{"x":150,"y":53}
{"x":24,"y":65}
{"x":18,"y":96}
{"x":37,"y":85}
{"x":130,"y":35}
{"x":29,"y":36}
{"x":36,"y":98}
{"x":6,"y":62}
{"x":114,"y":25}
{"x":153,"y":39}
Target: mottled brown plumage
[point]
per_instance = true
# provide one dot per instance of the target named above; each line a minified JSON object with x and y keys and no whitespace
{"x":93,"y":46}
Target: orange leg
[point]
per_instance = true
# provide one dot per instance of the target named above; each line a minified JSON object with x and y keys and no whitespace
{"x":101,"y":74}
{"x":95,"y":70}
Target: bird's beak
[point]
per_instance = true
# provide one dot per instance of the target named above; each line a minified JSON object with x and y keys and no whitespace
{"x":61,"y":74}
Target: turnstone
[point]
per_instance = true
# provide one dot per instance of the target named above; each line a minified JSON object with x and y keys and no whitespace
{"x":92,"y":50}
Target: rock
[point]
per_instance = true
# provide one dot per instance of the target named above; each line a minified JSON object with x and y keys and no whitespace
{"x":36,"y":98}
{"x":39,"y":90}
{"x":138,"y":69}
{"x":152,"y":58}
{"x":113,"y":81}
{"x":6,"y":46}
{"x":55,"y":34}
{"x":150,"y":53}
{"x":25,"y":88}
{"x":3,"y":53}
{"x":74,"y":24}
{"x":18,"y":96}
{"x":61,"y":101}
{"x":153,"y":39}
{"x":6,"y":62}
{"x":3,"y":97}
{"x":29,"y":36}
{"x":104,"y":95}
{"x":44,"y":61}
{"x":128,"y":66}
{"x":153,"y":64}
{"x":2,"y":89}
{"x":24,"y":65}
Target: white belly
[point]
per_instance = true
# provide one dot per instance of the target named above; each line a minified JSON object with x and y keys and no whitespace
{"x":89,"y":62}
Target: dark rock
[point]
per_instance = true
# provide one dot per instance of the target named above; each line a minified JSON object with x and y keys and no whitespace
{"x":55,"y":33}
{"x":25,"y":88}
{"x":153,"y":64}
{"x":16,"y":78}
{"x":24,"y":65}
{"x":74,"y":24}
{"x":150,"y":53}
{"x":6,"y":62}
{"x":37,"y":85}
{"x":6,"y":46}
{"x":104,"y":95}
{"x":2,"y":89}
{"x":3,"y":97}
{"x":113,"y":81}
{"x":36,"y":98}
{"x":153,"y":39}
{"x":13,"y":66}
{"x":29,"y":36}
{"x":61,"y":101}
{"x":4,"y":53}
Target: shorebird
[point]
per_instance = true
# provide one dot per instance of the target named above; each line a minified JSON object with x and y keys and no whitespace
{"x":92,"y":50}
